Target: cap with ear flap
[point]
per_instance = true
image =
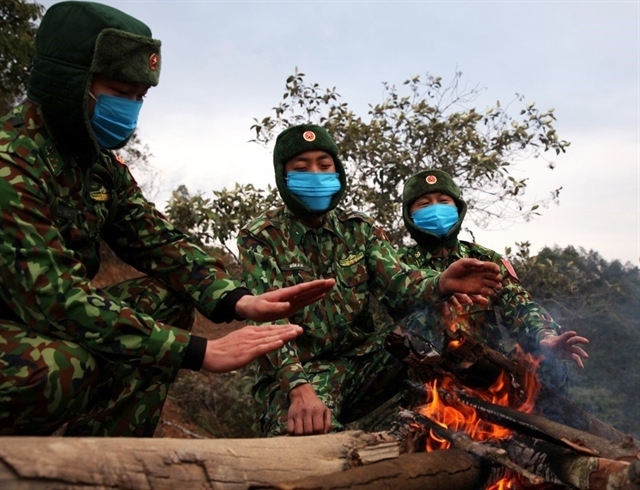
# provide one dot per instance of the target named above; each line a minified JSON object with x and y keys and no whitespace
{"x":294,"y":141}
{"x":425,"y":182}
{"x":75,"y":40}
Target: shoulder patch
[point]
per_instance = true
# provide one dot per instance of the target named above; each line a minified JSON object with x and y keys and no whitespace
{"x":510,"y":269}
{"x":119,"y":159}
{"x":382,"y":233}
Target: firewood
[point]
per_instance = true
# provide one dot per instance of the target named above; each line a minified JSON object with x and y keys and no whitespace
{"x":163,"y":463}
{"x":452,"y":469}
{"x":474,"y":364}
{"x":572,"y":468}
{"x":543,"y":428}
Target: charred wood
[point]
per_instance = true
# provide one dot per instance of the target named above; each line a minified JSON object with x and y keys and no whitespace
{"x":461,"y":440}
{"x":555,"y":463}
{"x":476,"y":365}
{"x":545,"y":429}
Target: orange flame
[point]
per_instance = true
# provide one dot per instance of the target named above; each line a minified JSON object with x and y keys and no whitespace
{"x":460,"y":417}
{"x":504,"y":484}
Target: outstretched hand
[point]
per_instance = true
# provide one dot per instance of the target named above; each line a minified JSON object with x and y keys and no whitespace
{"x":471,"y":277}
{"x":282,"y":303}
{"x":240,"y":347}
{"x":566,"y":346}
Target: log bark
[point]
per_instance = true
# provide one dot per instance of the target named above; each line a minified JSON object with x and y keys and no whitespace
{"x":158,"y":464}
{"x":571,"y":468}
{"x":452,"y":469}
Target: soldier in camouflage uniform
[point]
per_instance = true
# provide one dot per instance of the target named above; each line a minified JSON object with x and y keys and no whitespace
{"x":433,"y":212}
{"x":338,"y":370}
{"x":102,"y":360}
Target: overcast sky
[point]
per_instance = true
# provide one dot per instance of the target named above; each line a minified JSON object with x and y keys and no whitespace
{"x":225,"y":63}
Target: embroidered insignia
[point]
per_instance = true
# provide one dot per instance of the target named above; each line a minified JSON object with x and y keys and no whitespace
{"x":431,"y":179}
{"x":309,"y":136}
{"x":154,"y":61}
{"x":101,"y":195}
{"x":351,"y":259}
{"x":295,"y":266}
{"x":510,"y":269}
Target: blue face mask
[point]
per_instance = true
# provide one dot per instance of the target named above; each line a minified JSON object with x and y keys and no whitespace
{"x":437,"y":218}
{"x":315,"y":189}
{"x":114,"y":119}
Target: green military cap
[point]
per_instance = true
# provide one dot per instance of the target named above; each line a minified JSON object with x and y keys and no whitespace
{"x":99,"y":39}
{"x":425,"y":182}
{"x":296,"y":140}
{"x":76,"y":40}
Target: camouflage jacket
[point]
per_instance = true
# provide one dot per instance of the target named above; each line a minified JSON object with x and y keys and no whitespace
{"x":54,"y":209}
{"x":277,"y":250}
{"x":524,"y":320}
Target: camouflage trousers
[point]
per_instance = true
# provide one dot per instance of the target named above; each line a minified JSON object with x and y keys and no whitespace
{"x":351,"y":386}
{"x":46,"y":382}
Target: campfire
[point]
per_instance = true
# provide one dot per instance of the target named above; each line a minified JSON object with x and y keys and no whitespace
{"x":473,"y":398}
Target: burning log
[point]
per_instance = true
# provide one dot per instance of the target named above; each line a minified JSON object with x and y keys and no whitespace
{"x":540,"y":461}
{"x":462,"y":441}
{"x":576,"y":470}
{"x":466,"y":412}
{"x":476,"y":365}
{"x":545,"y":429}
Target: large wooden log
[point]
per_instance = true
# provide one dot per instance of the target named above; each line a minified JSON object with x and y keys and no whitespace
{"x":452,"y":469}
{"x":158,"y":464}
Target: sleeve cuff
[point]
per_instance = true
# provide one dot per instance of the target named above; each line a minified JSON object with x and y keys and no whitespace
{"x":225,"y":311}
{"x":194,"y":353}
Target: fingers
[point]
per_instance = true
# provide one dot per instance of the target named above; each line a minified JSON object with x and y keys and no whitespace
{"x":313,"y":288}
{"x":493,"y":281}
{"x":315,"y":420}
{"x":576,"y":358}
{"x":577,"y":340}
{"x":327,"y":422}
{"x":455,"y":302}
{"x":568,"y":345}
{"x":242,"y":346}
{"x":266,"y":344}
{"x":479,"y":300}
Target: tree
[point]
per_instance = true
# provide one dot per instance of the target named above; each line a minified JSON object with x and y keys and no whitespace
{"x":598,"y":299}
{"x":429,"y":126}
{"x":425,"y":125}
{"x":19,"y":21}
{"x":216,"y":222}
{"x":137,"y":156}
